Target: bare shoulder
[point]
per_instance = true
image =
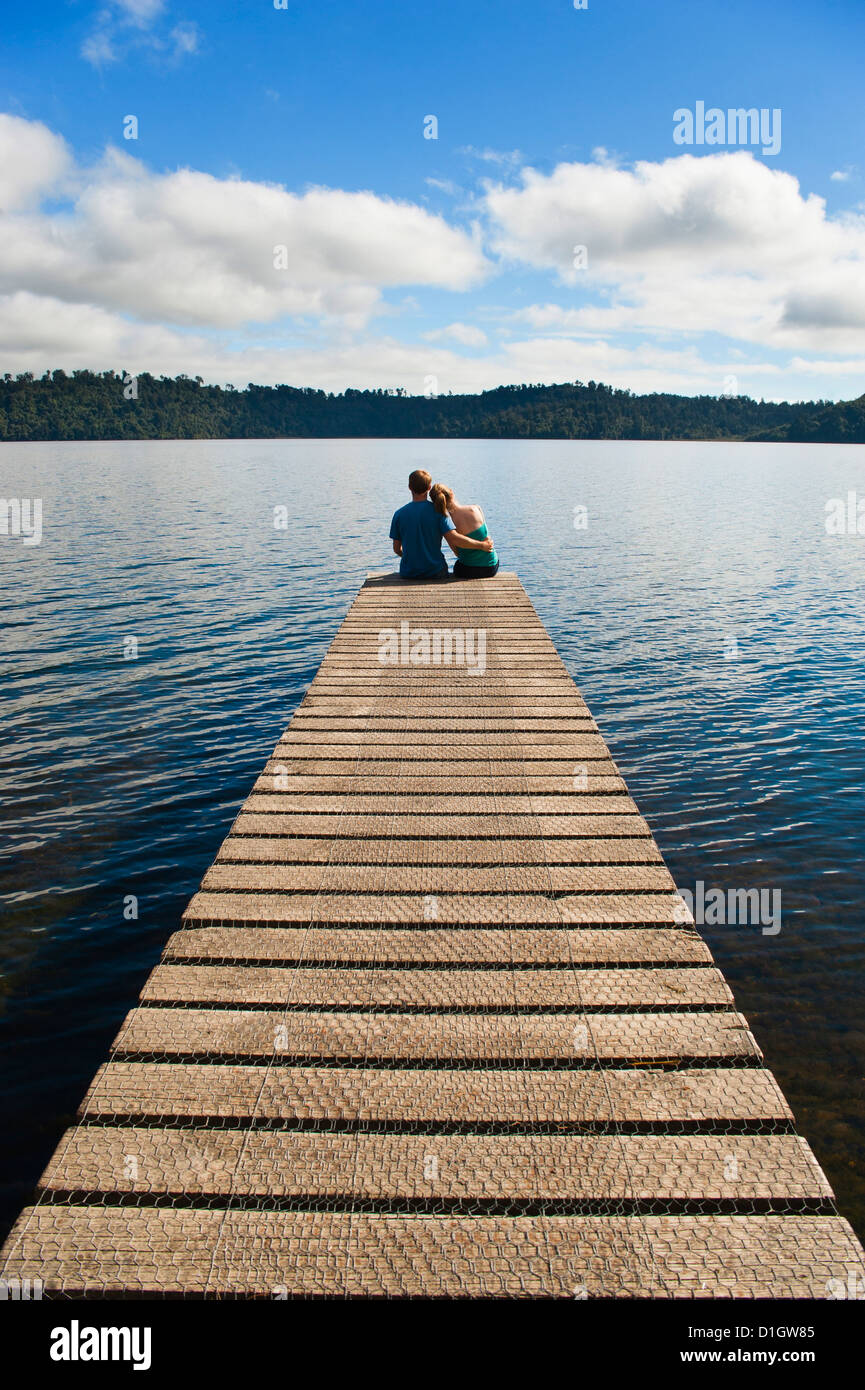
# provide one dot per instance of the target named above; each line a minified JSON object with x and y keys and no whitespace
{"x":471,"y":517}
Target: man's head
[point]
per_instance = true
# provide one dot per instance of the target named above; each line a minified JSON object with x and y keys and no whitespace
{"x":419,"y":483}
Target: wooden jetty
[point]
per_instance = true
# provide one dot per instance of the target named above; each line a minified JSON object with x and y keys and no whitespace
{"x":433,"y":1026}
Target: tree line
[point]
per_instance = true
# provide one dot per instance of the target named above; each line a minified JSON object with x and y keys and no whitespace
{"x":116,"y":405}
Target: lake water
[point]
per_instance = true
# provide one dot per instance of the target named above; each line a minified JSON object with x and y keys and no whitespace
{"x":715,"y":628}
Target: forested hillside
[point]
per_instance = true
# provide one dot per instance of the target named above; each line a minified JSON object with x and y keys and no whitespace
{"x":113,"y":405}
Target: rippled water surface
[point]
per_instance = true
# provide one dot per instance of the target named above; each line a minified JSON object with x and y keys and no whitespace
{"x":717,"y":632}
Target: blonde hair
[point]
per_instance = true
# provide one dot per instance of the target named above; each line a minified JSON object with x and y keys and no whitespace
{"x":441,"y":497}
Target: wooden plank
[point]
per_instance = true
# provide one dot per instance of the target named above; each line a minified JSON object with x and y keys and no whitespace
{"x":436,"y":1098}
{"x":443,"y":803}
{"x":288,"y":849}
{"x":419,"y":724}
{"x":517,"y":1169}
{"x":529,"y":770}
{"x":428,"y":988}
{"x":446,"y":684}
{"x":449,"y":699}
{"x":505,"y":758}
{"x":438,"y":879}
{"x":523,"y":738}
{"x":430,"y":944}
{"x":461,"y":910}
{"x":101,"y":1250}
{"x":432,"y":826}
{"x":372,"y":635}
{"x":443,"y":1039}
{"x":380,"y":707}
{"x":281,"y":779}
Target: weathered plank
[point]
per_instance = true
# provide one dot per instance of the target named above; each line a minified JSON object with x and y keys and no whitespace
{"x":439,"y":1099}
{"x":442,"y":803}
{"x":436,"y":945}
{"x":152,"y":1250}
{"x":289,"y":849}
{"x":438,"y":879}
{"x":515,"y":1169}
{"x":440,"y":1038}
{"x":428,"y":826}
{"x":596,"y":779}
{"x":300,"y":986}
{"x":459,"y":909}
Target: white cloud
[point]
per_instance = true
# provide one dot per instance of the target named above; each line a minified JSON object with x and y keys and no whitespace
{"x":444,"y":186}
{"x":33,"y":162}
{"x":852,"y":367}
{"x":118,"y":266}
{"x":37,"y":333}
{"x":98,"y":48}
{"x":840,"y":175}
{"x":507,"y":158}
{"x":185,"y":38}
{"x":44,"y":333}
{"x":198,"y":250}
{"x":140,"y":12}
{"x":465,"y":333}
{"x":124,"y":26}
{"x":610,"y":160}
{"x":719,"y":243}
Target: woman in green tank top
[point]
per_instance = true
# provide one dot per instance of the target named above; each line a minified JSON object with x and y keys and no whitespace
{"x":469,"y":520}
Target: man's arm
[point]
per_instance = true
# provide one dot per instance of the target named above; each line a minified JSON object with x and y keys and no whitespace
{"x":397,"y":547}
{"x":458,"y":542}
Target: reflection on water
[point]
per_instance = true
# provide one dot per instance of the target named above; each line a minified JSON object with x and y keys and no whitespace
{"x":714,"y":627}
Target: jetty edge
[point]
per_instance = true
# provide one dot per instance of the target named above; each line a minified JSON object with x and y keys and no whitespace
{"x":434,"y":1025}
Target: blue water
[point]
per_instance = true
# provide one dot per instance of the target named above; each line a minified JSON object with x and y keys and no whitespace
{"x":715,"y":628}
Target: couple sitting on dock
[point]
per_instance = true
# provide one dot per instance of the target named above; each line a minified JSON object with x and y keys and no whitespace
{"x":434,"y":515}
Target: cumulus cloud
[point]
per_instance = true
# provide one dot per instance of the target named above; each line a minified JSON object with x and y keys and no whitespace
{"x":832,"y":303}
{"x":690,"y":262}
{"x":718,"y":243}
{"x":33,"y":162}
{"x":194,"y":249}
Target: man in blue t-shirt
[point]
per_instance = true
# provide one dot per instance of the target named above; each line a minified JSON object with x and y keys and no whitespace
{"x":417,"y":531}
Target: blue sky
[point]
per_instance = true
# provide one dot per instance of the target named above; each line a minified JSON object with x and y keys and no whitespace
{"x":281,"y":216}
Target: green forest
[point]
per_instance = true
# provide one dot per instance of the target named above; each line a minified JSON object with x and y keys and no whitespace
{"x":115,"y":405}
